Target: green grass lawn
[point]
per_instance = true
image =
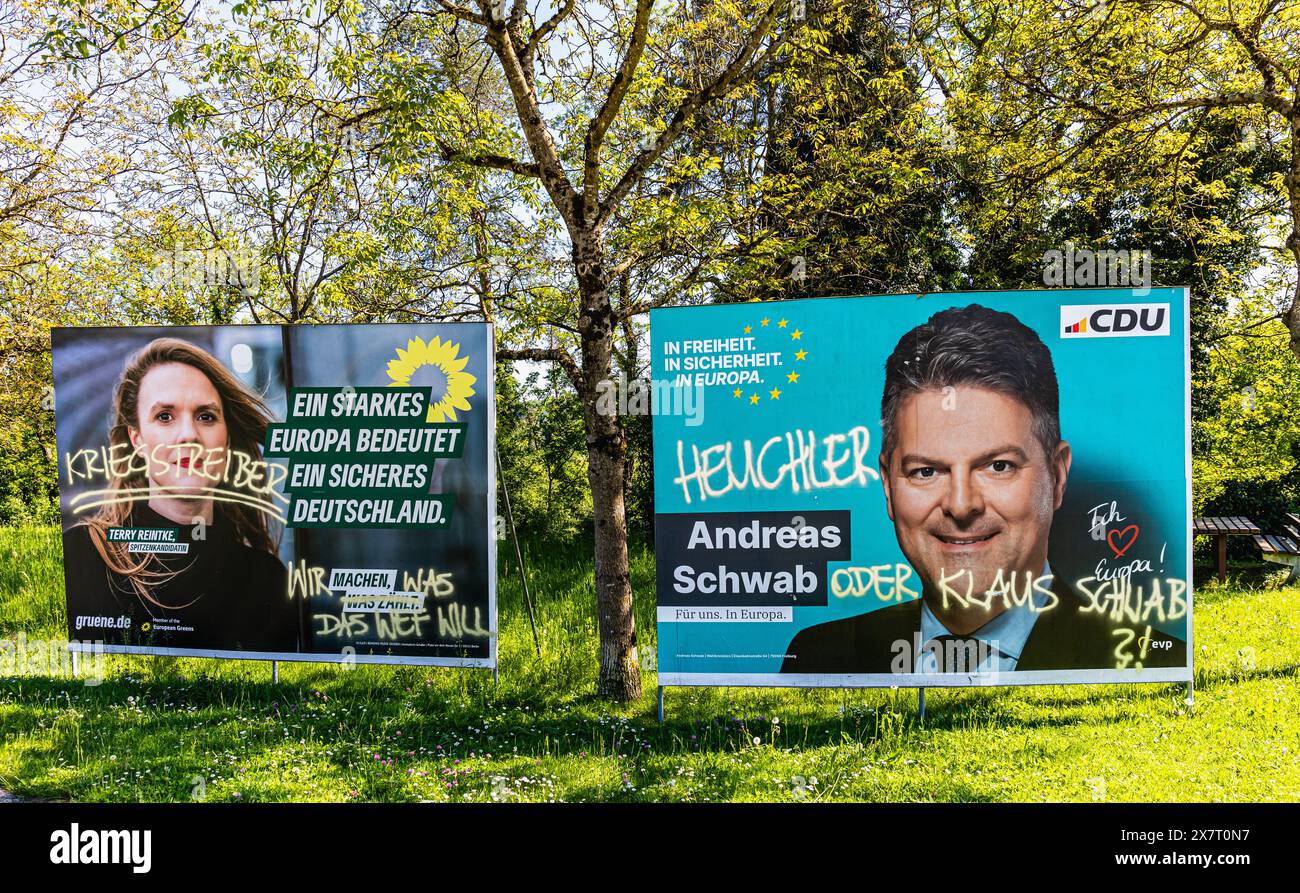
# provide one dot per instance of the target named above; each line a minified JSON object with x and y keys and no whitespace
{"x":161,"y":729}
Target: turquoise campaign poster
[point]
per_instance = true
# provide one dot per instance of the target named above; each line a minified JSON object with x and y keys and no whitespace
{"x":946,"y":489}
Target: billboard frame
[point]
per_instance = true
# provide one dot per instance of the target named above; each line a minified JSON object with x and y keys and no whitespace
{"x":78,"y":647}
{"x":1155,"y":675}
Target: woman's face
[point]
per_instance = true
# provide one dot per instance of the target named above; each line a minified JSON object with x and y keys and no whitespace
{"x":181,"y":429}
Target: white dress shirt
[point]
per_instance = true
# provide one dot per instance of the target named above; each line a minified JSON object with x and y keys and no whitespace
{"x":1005,"y":636}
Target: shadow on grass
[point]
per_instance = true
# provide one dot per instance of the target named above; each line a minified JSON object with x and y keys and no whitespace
{"x":66,"y":740}
{"x":190,"y":718}
{"x":1210,"y":678}
{"x":1243,"y":579}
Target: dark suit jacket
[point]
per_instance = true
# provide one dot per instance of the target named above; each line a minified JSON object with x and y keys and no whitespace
{"x":1062,"y":638}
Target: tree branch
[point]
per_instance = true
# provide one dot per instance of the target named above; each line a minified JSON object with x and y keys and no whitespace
{"x":540,"y":141}
{"x":490,"y":160}
{"x":536,"y":38}
{"x":546,"y":355}
{"x":736,"y":72}
{"x":601,"y":122}
{"x":461,"y":13}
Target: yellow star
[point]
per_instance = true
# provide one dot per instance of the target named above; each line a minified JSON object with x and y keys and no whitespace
{"x":800,"y":354}
{"x":736,"y":393}
{"x":796,"y":334}
{"x":766,"y":320}
{"x":748,"y":329}
{"x":776,"y":395}
{"x":753,"y":398}
{"x":783,"y":323}
{"x":793,"y":378}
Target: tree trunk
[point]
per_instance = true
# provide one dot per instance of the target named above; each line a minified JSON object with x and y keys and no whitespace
{"x":631,"y":366}
{"x":620,"y":672}
{"x":1292,"y":182}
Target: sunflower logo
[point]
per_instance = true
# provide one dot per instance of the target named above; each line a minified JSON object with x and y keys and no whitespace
{"x":439,"y":365}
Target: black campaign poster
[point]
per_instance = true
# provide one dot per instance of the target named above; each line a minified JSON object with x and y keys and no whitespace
{"x":290,"y":492}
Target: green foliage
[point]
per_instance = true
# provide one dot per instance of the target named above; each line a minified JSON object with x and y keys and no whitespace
{"x":27,"y":471}
{"x":543,"y":453}
{"x":31,"y":580}
{"x":855,"y":183}
{"x":1247,"y":456}
{"x":1074,"y":122}
{"x":182,"y":730}
{"x":349,"y":149}
{"x":639,"y":494}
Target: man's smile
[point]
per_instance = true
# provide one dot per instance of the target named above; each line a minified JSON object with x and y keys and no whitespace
{"x":967,"y":540}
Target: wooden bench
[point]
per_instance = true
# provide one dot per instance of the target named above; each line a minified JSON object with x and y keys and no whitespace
{"x":1221,"y":529}
{"x":1283,"y":549}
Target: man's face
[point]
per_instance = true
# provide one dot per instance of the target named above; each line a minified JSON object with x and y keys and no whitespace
{"x":969,"y":488}
{"x":181,"y":428}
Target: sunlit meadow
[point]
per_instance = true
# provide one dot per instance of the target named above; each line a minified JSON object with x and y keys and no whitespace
{"x":161,"y":729}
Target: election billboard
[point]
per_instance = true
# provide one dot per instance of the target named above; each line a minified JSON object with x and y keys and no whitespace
{"x":974,"y":488}
{"x":321,"y":492}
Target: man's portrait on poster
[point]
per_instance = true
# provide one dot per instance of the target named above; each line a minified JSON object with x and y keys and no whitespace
{"x":974,"y":466}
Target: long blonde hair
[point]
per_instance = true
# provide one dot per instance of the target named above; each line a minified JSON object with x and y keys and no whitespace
{"x":246,"y":415}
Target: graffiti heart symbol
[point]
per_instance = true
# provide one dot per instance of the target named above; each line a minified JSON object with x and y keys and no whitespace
{"x":1114,"y":536}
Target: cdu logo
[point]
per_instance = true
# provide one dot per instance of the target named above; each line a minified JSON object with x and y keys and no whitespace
{"x":1114,"y":320}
